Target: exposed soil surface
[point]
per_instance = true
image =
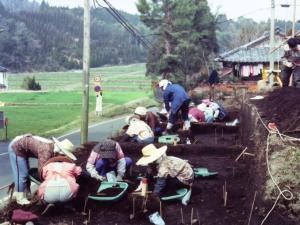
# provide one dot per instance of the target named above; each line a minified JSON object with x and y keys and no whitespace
{"x":282,"y":107}
{"x":213,"y":147}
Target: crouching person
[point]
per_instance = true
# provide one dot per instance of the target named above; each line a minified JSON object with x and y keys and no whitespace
{"x":59,"y":180}
{"x":172,"y":172}
{"x":105,"y":157}
{"x":23,"y":147}
{"x":138,"y":131}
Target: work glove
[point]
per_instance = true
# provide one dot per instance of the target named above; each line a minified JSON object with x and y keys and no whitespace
{"x":119,"y":177}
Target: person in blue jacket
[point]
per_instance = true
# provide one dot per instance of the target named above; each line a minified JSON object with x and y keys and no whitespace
{"x":176,"y":99}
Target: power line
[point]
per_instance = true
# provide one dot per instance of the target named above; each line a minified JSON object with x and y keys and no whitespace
{"x":124,"y":23}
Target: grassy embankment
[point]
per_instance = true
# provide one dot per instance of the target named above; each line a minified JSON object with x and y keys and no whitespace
{"x":57,"y":109}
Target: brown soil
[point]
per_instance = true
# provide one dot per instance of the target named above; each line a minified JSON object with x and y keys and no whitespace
{"x":216,"y":150}
{"x":282,"y":107}
{"x":110,"y":192}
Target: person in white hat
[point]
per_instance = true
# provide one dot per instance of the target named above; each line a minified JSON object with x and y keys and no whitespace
{"x":175,"y":99}
{"x":149,"y":118}
{"x":137,"y":131}
{"x":172,"y":172}
{"x":28,"y":146}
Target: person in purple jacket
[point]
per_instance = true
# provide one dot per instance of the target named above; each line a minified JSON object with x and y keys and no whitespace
{"x":176,"y":99}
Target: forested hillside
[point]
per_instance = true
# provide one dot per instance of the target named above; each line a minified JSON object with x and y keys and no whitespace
{"x":48,"y":38}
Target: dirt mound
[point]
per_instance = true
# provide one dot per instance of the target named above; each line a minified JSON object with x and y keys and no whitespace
{"x":282,"y":107}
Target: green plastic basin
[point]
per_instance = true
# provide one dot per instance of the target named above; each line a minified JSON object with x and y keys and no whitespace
{"x":203,"y":172}
{"x":180,"y":194}
{"x":104,"y":185}
{"x":168,"y":139}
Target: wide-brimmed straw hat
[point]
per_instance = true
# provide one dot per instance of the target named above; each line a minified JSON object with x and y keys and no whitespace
{"x":140,"y":110}
{"x":66,"y":147}
{"x":150,"y":154}
{"x":131,"y":118}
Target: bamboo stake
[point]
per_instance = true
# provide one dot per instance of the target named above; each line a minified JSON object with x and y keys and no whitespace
{"x":192,"y":214}
{"x":225,"y":199}
{"x":160,"y":209}
{"x":245,"y":149}
{"x":133,"y":209}
{"x":89,"y":218}
{"x":85,"y":203}
{"x":182,"y":220}
{"x":253,"y":202}
{"x":198,"y":218}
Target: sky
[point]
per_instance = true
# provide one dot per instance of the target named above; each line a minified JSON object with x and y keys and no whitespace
{"x":258,"y":10}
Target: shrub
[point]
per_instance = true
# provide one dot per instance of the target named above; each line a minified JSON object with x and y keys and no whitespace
{"x":29,"y":83}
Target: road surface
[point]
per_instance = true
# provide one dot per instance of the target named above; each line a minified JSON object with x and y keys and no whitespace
{"x":96,"y":133}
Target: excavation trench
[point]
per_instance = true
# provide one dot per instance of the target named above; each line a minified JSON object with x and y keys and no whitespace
{"x":215,"y":147}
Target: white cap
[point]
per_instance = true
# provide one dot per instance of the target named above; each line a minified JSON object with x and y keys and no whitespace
{"x":164,"y":83}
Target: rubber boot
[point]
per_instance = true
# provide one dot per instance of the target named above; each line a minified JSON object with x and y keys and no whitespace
{"x":21,"y":198}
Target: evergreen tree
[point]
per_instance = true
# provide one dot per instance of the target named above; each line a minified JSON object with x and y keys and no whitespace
{"x":187,"y":38}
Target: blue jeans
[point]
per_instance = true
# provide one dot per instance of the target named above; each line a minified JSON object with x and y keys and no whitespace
{"x":19,"y":168}
{"x":184,"y":108}
{"x":103,"y":167}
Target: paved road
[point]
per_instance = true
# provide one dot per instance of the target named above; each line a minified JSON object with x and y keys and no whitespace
{"x":96,"y":133}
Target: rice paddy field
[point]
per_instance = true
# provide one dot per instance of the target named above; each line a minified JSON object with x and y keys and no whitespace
{"x":57,"y":107}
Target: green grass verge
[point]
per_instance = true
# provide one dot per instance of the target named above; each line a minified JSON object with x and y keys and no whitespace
{"x":57,"y":108}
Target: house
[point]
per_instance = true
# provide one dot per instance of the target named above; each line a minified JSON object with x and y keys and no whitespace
{"x":251,"y":61}
{"x":3,"y":78}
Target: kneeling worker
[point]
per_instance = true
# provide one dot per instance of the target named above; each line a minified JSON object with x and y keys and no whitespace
{"x":149,"y":118}
{"x":105,"y":157}
{"x":138,"y":131}
{"x":172,"y":172}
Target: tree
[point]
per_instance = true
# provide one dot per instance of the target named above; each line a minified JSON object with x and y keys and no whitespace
{"x":186,"y":37}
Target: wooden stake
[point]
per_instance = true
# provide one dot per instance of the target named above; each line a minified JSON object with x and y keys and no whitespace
{"x":216,"y":136}
{"x":182,"y":220}
{"x":225,"y":199}
{"x":198,"y":218}
{"x":192,"y":215}
{"x":245,"y":149}
{"x":249,"y":220}
{"x":85,"y":203}
{"x":160,"y":209}
{"x":89,"y":219}
{"x":133,"y":209}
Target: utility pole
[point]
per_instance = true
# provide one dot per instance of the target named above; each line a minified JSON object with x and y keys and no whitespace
{"x":294,"y":19}
{"x":272,"y":44}
{"x":86,"y":73}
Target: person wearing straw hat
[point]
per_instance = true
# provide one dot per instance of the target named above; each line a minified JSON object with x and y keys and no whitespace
{"x":105,"y":157}
{"x":175,"y":99}
{"x":150,"y":119}
{"x":137,"y":131}
{"x":172,"y":172}
{"x":26,"y":146}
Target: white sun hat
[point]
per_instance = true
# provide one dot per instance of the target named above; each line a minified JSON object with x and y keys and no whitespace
{"x":150,"y":154}
{"x":140,"y":110}
{"x":66,"y":147}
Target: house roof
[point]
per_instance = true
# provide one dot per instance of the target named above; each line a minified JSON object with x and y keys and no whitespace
{"x":3,"y":69}
{"x":256,"y":51}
